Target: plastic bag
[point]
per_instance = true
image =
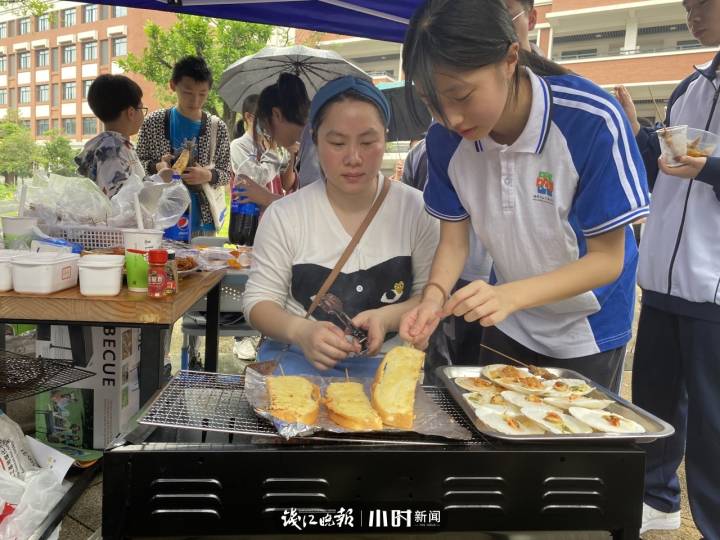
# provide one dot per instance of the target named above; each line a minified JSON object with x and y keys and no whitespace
{"x":15,"y":457}
{"x":41,"y":492}
{"x":164,"y":202}
{"x":70,"y":200}
{"x":122,"y":214}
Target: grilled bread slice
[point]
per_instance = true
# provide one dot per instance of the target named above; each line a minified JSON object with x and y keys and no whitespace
{"x":348,"y":406}
{"x":393,"y":391}
{"x":293,"y":399}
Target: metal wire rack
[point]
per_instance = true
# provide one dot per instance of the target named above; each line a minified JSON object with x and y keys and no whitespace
{"x":216,"y":402}
{"x":24,"y":376}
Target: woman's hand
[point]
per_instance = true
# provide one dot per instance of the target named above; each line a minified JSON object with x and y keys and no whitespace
{"x":690,"y":168}
{"x":418,"y":324}
{"x":628,"y":105}
{"x":374,"y":323}
{"x":478,"y":301}
{"x":324,"y":344}
{"x":196,"y":176}
{"x":164,"y":162}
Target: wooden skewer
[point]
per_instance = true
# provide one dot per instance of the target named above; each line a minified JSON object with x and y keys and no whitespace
{"x":657,"y":108}
{"x":543,"y":373}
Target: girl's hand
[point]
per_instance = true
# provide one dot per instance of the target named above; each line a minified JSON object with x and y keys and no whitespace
{"x":418,"y":324}
{"x":481,"y":302}
{"x":628,"y":105}
{"x":324,"y":344}
{"x":195,"y":176}
{"x":690,"y":168}
{"x":254,"y":192}
{"x":373,"y":322}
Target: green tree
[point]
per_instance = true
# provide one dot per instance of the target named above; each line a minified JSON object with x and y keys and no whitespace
{"x":220,"y":42}
{"x":17,"y":149}
{"x":27,"y":7}
{"x":57,"y":155}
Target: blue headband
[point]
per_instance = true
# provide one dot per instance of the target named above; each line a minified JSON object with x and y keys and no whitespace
{"x":343,"y":84}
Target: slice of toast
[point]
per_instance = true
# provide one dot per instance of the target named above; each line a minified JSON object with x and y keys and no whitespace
{"x":348,"y":406}
{"x":393,"y":391}
{"x":293,"y":399}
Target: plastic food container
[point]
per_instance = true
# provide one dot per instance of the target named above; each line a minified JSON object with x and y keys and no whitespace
{"x":101,"y":275}
{"x":702,"y":143}
{"x":44,"y":273}
{"x":6,"y":255}
{"x":673,"y":144}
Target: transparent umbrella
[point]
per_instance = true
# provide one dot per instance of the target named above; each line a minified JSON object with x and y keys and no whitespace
{"x":251,"y":74}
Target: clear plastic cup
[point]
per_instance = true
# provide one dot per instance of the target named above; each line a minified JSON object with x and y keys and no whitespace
{"x":673,"y":144}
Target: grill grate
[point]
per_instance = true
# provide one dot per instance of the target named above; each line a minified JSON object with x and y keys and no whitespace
{"x":24,"y":376}
{"x":216,"y":402}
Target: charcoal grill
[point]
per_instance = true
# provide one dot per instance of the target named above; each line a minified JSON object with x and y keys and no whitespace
{"x":231,"y":478}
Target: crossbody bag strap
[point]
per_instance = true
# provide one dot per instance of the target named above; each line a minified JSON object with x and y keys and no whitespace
{"x":350,"y":248}
{"x":213,"y":140}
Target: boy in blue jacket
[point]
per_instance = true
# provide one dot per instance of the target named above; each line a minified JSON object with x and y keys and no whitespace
{"x":676,"y":371}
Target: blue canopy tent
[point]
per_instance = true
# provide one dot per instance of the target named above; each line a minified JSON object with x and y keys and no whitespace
{"x":374,"y":19}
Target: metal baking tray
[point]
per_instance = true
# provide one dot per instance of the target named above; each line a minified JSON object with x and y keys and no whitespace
{"x":655,"y":428}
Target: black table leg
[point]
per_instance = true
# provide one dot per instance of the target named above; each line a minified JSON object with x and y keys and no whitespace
{"x":211,"y":329}
{"x":152,"y":361}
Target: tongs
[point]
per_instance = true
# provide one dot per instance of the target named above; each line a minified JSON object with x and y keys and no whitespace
{"x":332,"y":305}
{"x":535,"y":370}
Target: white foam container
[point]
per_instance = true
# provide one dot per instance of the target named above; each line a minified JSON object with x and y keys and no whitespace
{"x":101,"y":275}
{"x":44,"y":273}
{"x":7,"y":255}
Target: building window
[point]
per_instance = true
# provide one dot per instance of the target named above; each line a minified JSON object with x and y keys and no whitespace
{"x":43,"y":23}
{"x":89,"y":126}
{"x":69,"y":54}
{"x":24,"y":94}
{"x":91,"y":13}
{"x":3,"y":30}
{"x":42,"y":93}
{"x":86,"y":88}
{"x":24,"y":26}
{"x":42,"y":126}
{"x":42,"y":58}
{"x":68,"y":91}
{"x":68,"y":126}
{"x":23,"y":60}
{"x":90,"y":51}
{"x":69,"y":17}
{"x":3,"y":97}
{"x":119,"y":11}
{"x":580,"y":53}
{"x":119,"y":46}
{"x":25,"y":124}
{"x":688,"y":44}
{"x":3,"y":64}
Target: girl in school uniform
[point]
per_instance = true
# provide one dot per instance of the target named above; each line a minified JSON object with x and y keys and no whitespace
{"x":545,"y":169}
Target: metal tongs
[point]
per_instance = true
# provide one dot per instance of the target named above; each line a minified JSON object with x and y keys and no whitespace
{"x":535,"y":370}
{"x":332,"y":305}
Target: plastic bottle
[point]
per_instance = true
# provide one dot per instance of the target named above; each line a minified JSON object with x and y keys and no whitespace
{"x":244,"y":217}
{"x":181,"y":230}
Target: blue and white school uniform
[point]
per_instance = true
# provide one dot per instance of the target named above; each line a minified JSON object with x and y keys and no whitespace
{"x":575,"y":172}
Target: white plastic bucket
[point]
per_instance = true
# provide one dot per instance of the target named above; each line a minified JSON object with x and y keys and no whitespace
{"x":44,"y":273}
{"x":7,"y":255}
{"x":101,"y":275}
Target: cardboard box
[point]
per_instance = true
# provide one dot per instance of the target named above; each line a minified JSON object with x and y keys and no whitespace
{"x":92,"y":412}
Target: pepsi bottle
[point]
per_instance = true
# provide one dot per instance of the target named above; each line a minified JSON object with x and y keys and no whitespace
{"x":244,"y":218}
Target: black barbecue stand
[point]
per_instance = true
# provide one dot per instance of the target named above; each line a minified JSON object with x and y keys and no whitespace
{"x":169,"y":482}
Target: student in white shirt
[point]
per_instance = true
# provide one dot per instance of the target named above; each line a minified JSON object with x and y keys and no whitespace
{"x":548,"y":175}
{"x":302,"y":236}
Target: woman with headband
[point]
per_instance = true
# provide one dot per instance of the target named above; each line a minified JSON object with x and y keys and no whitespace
{"x":302,"y":237}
